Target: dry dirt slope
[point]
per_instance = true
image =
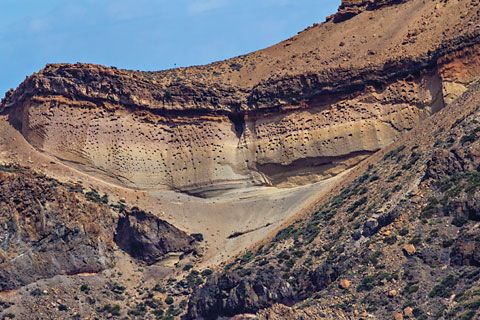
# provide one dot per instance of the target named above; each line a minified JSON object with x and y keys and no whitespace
{"x":304,"y":110}
{"x":400,"y":238}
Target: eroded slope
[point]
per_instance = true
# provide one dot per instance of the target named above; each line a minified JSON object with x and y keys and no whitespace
{"x":51,"y":228}
{"x":301,"y":111}
{"x":398,"y":239}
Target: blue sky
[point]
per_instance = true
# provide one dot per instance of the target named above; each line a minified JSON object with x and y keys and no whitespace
{"x":143,"y":34}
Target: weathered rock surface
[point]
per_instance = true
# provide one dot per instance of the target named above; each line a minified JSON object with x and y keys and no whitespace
{"x":46,"y":230}
{"x":350,"y":8}
{"x":301,"y":111}
{"x":406,"y":219}
{"x":148,"y":238}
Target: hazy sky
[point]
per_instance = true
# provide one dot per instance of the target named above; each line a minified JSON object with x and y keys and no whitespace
{"x":143,"y":34}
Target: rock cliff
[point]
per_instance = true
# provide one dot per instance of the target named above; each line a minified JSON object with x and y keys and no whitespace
{"x":301,"y":111}
{"x":50,"y":228}
{"x":398,"y":239}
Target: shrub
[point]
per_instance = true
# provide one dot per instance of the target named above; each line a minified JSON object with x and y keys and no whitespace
{"x":310,"y":232}
{"x":118,"y":288}
{"x":459,"y":221}
{"x":284,"y":234}
{"x":140,"y":310}
{"x":411,"y":288}
{"x":367,"y":284}
{"x":85,"y":288}
{"x":447,"y":243}
{"x":207,"y":272}
{"x":394,"y":153}
{"x":187,"y":267}
{"x":159,"y":288}
{"x":113,"y":310}
{"x":36,"y":292}
{"x":247,"y":256}
{"x":236,"y":66}
{"x":62,"y":307}
{"x":445,"y":288}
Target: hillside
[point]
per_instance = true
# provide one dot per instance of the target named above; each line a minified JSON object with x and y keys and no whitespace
{"x":295,"y":113}
{"x":401,"y":237}
{"x":334,"y":175}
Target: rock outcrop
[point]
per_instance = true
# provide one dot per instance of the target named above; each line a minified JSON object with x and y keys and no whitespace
{"x":350,"y":8}
{"x":148,"y":238}
{"x":47,"y":230}
{"x":301,"y":111}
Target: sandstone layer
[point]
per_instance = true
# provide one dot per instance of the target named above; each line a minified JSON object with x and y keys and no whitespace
{"x":397,"y":239}
{"x":280,"y":116}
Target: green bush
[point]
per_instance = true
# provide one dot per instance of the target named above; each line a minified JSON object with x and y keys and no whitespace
{"x":367,"y":284}
{"x":445,"y":288}
{"x":85,"y":288}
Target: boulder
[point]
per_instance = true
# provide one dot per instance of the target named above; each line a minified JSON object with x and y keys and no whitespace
{"x":149,"y":239}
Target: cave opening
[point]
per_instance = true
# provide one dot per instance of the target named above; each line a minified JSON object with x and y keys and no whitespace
{"x":238,"y":120}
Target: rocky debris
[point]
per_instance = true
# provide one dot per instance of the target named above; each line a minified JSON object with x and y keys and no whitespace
{"x":415,"y":244}
{"x":282,"y":312}
{"x":345,"y":284}
{"x":465,"y":252}
{"x":148,"y":238}
{"x":350,"y":8}
{"x":398,"y":316}
{"x":392,"y":293}
{"x":408,"y":312}
{"x":46,"y":230}
{"x":229,"y":295}
{"x":409,"y":249}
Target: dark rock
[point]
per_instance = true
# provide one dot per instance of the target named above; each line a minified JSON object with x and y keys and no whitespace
{"x":197,"y":236}
{"x":357,"y":235}
{"x":229,"y":295}
{"x":467,"y":207}
{"x":350,"y":8}
{"x":370,"y":227}
{"x":148,"y":238}
{"x":465,"y":253}
{"x":324,"y":275}
{"x":40,"y":239}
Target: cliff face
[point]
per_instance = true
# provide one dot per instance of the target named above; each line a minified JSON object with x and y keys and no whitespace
{"x":49,"y":228}
{"x":398,"y":239}
{"x":350,"y":8}
{"x":314,"y":105}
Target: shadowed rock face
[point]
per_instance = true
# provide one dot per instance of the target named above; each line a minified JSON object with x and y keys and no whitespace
{"x":310,"y":107}
{"x":148,"y":238}
{"x":408,"y":217}
{"x":350,"y":8}
{"x":46,"y":230}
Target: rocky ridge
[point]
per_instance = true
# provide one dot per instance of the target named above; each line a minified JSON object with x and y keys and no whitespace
{"x":399,"y":240}
{"x":50,"y":228}
{"x":280,"y":116}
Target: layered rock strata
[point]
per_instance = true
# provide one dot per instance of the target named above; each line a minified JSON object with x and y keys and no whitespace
{"x":281,"y":116}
